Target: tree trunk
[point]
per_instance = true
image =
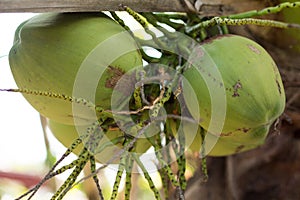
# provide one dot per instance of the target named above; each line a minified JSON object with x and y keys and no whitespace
{"x":205,"y":7}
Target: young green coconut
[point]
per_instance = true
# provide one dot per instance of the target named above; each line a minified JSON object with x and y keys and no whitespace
{"x":239,"y":93}
{"x":71,"y":54}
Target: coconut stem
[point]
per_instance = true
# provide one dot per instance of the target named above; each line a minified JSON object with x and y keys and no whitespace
{"x":95,"y":177}
{"x":147,"y":176}
{"x":129,"y":166}
{"x":239,"y":22}
{"x":265,"y":11}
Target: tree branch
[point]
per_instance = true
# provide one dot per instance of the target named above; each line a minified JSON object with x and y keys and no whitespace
{"x":206,"y":7}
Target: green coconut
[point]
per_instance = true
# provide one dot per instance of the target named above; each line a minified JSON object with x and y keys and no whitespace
{"x":239,"y":93}
{"x":81,"y":55}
